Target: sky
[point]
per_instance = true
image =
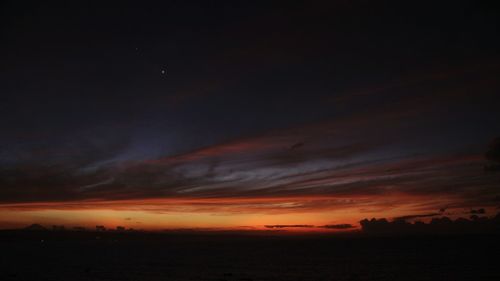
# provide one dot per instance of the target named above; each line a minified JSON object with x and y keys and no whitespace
{"x":200,"y":115}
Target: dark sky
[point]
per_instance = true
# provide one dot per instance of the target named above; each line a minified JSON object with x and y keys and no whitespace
{"x":136,"y":99}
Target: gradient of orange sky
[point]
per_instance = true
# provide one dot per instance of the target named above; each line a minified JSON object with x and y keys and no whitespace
{"x":227,"y":213}
{"x":250,"y":183}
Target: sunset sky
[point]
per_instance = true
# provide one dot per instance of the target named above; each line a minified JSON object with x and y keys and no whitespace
{"x":228,"y":116}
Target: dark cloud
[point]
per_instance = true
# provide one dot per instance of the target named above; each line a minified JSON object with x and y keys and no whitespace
{"x":289,"y":226}
{"x":478,"y":211}
{"x":435,"y":226}
{"x":338,"y":226}
{"x":35,"y":227}
{"x":411,"y":217}
{"x":297,"y":145}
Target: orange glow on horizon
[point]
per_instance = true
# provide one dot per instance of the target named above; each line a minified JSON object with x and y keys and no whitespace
{"x":252,"y":213}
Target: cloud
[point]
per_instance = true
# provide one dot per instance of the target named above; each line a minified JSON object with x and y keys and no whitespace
{"x":105,"y":182}
{"x":289,"y":226}
{"x":411,"y":217}
{"x":435,"y":226}
{"x":351,"y":162}
{"x":478,"y":211}
{"x":338,"y":226}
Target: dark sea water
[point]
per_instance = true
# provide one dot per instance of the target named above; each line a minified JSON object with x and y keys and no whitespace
{"x":94,"y":256}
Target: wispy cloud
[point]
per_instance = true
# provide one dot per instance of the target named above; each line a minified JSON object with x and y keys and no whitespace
{"x":367,"y":162}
